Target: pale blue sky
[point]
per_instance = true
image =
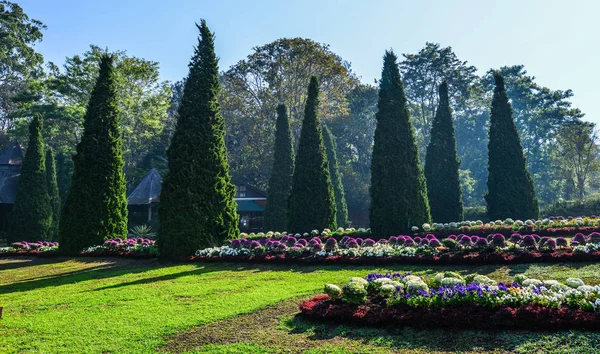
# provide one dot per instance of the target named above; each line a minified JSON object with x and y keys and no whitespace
{"x":557,"y":41}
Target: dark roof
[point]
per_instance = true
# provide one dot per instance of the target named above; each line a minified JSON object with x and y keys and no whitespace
{"x":148,"y":191}
{"x":250,"y":205}
{"x":13,"y":155}
{"x":9,"y":178}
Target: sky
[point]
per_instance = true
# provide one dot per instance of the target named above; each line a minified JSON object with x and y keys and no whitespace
{"x":557,"y":41}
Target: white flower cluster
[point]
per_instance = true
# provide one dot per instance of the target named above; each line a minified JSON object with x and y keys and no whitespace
{"x":590,"y":247}
{"x":7,"y":249}
{"x":377,"y":250}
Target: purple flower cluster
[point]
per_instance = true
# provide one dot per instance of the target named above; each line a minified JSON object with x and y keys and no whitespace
{"x":25,"y":245}
{"x":119,"y":243}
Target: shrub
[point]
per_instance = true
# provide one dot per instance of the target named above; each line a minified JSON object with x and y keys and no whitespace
{"x":333,"y":291}
{"x":354,"y":293}
{"x":574,"y":282}
{"x":387,"y":290}
{"x":520,"y":278}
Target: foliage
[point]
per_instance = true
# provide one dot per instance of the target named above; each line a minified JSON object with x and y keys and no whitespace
{"x":510,"y":187}
{"x":96,"y":205}
{"x":423,"y":73}
{"x":197,"y":208}
{"x":280,"y":183}
{"x":311,"y":204}
{"x":31,"y":215}
{"x":62,"y":95}
{"x":578,"y":152}
{"x":19,"y":62}
{"x":143,"y":231}
{"x":354,"y":134}
{"x":442,"y":165}
{"x":540,"y":114}
{"x":336,"y":178}
{"x":277,"y":73}
{"x":53,"y":194}
{"x":398,"y":187}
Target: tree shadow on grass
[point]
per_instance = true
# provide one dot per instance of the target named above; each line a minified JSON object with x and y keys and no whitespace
{"x":8,"y":263}
{"x":108,"y":267}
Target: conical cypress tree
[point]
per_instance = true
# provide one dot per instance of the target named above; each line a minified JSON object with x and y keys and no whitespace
{"x":96,"y":205}
{"x":398,"y":187}
{"x":511,"y":193}
{"x":341,"y":216}
{"x":52,"y":186}
{"x":64,"y":171}
{"x":197,"y":208}
{"x":280,"y":183}
{"x":311,"y":205}
{"x":441,"y":165}
{"x":31,"y":215}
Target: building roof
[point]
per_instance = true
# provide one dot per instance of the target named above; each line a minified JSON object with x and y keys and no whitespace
{"x":13,"y":155}
{"x":9,"y":178}
{"x":148,"y":191}
{"x":250,"y":205}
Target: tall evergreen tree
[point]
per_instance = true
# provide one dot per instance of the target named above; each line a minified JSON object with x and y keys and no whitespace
{"x":511,"y":193}
{"x":197,"y":208}
{"x":341,"y":215}
{"x":96,"y":205}
{"x":52,"y":186}
{"x":398,"y":187}
{"x":280,"y":183}
{"x":31,"y":215}
{"x":441,"y":165}
{"x":311,"y":204}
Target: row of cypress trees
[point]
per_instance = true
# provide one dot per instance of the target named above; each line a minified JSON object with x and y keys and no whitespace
{"x":405,"y":195}
{"x":197,"y":206}
{"x":311,"y":195}
{"x":95,"y":208}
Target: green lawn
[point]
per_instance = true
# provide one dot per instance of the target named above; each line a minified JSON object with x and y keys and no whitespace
{"x":89,"y":305}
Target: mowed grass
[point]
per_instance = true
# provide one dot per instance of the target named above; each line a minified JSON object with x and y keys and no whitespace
{"x":93,"y":305}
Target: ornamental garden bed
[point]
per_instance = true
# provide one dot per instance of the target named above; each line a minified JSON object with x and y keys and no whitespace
{"x":553,"y":226}
{"x":132,"y":247}
{"x":461,"y":249}
{"x":449,"y":300}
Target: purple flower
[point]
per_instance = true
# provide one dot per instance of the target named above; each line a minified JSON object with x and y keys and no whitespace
{"x":254,"y":244}
{"x":352,"y":244}
{"x":594,"y":237}
{"x":515,"y":238}
{"x":482,"y":243}
{"x":302,"y":241}
{"x":465,"y":240}
{"x":561,"y":241}
{"x":291,"y":241}
{"x":528,"y":241}
{"x":452,"y":237}
{"x":498,"y":240}
{"x":430,"y":237}
{"x":393,"y":240}
{"x":435,"y":243}
{"x":417,"y":239}
{"x":368,"y":243}
{"x":331,"y":245}
{"x":579,"y":238}
{"x":359,"y":241}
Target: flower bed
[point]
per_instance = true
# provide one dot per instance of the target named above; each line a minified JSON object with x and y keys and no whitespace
{"x":132,"y":247}
{"x":553,"y":226}
{"x":24,"y":248}
{"x":450,"y":300}
{"x":461,"y":249}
